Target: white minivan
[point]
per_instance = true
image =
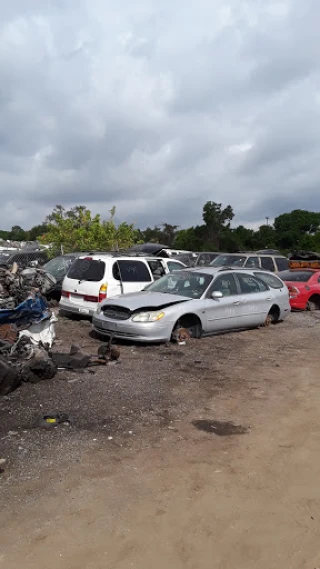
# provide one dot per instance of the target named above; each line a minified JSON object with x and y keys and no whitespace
{"x":92,"y":279}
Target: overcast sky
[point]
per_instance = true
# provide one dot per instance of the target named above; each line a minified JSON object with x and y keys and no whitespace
{"x":156,"y":107}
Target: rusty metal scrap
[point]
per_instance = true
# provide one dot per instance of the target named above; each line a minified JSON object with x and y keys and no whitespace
{"x":16,"y":285}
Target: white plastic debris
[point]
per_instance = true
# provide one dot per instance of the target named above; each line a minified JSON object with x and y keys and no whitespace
{"x":43,"y":332}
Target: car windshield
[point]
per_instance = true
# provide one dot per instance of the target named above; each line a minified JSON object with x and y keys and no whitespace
{"x":182,"y":283}
{"x":228,"y":261}
{"x":296,"y":276}
{"x":58,"y":267}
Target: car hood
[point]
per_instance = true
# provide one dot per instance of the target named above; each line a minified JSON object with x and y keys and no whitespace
{"x":134,"y":301}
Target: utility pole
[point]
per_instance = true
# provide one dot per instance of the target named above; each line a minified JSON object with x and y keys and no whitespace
{"x":267,"y":218}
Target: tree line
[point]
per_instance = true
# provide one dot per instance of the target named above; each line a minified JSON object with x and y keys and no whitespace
{"x":78,"y":229}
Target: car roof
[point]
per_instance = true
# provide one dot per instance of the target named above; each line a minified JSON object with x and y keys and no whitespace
{"x":301,"y":269}
{"x":252,"y":253}
{"x":214,"y":270}
{"x":118,"y":257}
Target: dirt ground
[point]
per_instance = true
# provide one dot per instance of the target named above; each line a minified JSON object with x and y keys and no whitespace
{"x":203,"y":456}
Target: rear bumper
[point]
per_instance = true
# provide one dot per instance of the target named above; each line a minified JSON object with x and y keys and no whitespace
{"x":72,"y":308}
{"x":137,"y":331}
{"x":297,"y":304}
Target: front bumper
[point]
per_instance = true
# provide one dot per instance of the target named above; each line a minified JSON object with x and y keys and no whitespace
{"x":159,"y":331}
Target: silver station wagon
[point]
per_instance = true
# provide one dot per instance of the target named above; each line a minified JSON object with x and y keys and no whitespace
{"x":203,"y":301}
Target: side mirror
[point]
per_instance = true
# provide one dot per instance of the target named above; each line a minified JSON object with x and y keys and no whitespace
{"x":216,"y":294}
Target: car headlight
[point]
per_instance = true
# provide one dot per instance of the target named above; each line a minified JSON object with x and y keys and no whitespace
{"x":148,"y":316}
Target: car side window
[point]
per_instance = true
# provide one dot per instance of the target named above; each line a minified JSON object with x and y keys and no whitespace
{"x":270,"y":280}
{"x":252,"y":262}
{"x":267,"y":263}
{"x":225,"y":284}
{"x":174,"y":266}
{"x":249,"y":284}
{"x":156,"y":269}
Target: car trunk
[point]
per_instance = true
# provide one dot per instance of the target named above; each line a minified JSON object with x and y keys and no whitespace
{"x":85,"y":283}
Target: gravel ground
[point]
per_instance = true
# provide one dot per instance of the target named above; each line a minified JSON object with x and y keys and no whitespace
{"x":150,"y":388}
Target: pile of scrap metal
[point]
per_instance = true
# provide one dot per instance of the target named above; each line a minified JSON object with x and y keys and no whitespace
{"x":304,"y":260}
{"x":26,"y":327}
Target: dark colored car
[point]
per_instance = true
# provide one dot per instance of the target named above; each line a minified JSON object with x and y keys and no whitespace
{"x":24,"y":258}
{"x":58,"y":268}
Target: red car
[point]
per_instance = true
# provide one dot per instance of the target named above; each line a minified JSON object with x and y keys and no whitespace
{"x":304,"y":288}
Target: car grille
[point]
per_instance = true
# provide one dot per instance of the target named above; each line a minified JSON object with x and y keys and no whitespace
{"x":116,"y":312}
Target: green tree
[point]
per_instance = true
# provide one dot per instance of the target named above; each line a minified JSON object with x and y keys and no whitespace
{"x":37,"y":231}
{"x":293,"y":230}
{"x":78,"y":230}
{"x":17,"y":233}
{"x":217,"y":222}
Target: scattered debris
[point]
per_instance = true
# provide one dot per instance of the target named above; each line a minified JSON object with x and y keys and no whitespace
{"x":51,"y":420}
{"x":220,"y":428}
{"x":3,"y":461}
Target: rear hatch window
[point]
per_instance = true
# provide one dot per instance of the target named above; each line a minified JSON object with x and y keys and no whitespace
{"x":87,"y":270}
{"x":296,"y":276}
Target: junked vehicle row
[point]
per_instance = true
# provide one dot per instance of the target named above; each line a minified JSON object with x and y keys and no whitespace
{"x":133,"y":295}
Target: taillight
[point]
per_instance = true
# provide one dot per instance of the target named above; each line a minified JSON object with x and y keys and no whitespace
{"x":103,"y":292}
{"x":65,"y":293}
{"x":293,"y":290}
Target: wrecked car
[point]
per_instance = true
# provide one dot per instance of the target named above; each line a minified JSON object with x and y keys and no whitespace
{"x":58,"y":268}
{"x":26,"y":329}
{"x":202,"y":302}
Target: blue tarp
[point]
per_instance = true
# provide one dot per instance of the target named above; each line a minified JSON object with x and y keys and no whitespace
{"x":30,"y":311}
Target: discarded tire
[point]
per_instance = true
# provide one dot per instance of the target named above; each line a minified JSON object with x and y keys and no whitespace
{"x":9,"y":378}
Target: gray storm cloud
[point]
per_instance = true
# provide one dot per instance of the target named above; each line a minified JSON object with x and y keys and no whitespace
{"x":158,"y":107}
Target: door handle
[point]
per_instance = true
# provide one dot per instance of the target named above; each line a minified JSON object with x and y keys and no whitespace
{"x":237,"y":302}
{"x":269,"y":298}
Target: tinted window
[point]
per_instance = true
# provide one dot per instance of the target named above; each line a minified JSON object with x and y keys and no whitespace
{"x":131,"y":271}
{"x":296,"y":276}
{"x":281,"y":263}
{"x":270,"y":280}
{"x":87,"y":270}
{"x":267,"y":263}
{"x":249,"y":284}
{"x":182,"y":283}
{"x":228,"y":261}
{"x":225,"y":284}
{"x":156,"y":269}
{"x":252,"y":262}
{"x":173,"y":266}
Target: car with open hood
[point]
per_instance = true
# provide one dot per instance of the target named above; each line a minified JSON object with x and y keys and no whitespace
{"x":203,"y":301}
